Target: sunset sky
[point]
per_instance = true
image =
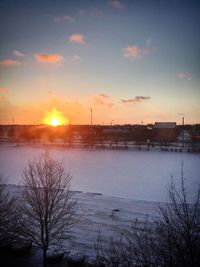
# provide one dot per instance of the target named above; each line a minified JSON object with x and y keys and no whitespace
{"x":130,"y":61}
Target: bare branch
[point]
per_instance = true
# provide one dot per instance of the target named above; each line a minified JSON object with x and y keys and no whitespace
{"x":48,"y":206}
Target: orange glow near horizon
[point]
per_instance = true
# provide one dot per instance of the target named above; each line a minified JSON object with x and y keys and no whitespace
{"x":55,"y":118}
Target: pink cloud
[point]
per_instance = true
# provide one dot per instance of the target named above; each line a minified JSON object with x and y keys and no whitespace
{"x":4,"y":90}
{"x":184,"y":76}
{"x":76,"y":57}
{"x":3,"y":98}
{"x":99,"y":100}
{"x":116,"y":4}
{"x":109,"y":105}
{"x":146,"y":50}
{"x":10,"y":62}
{"x":76,"y":38}
{"x":102,"y":99}
{"x":18,"y":53}
{"x":132,"y":52}
{"x":48,"y":58}
{"x":136,"y":52}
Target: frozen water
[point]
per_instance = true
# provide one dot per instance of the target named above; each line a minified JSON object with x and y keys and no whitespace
{"x":140,"y":175}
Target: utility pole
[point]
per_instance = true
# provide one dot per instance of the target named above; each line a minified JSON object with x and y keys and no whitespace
{"x":70,"y":132}
{"x":91,"y":116}
{"x":91,"y":127}
{"x":183,"y":132}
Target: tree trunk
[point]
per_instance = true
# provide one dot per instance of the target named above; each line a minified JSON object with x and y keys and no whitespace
{"x":44,"y":257}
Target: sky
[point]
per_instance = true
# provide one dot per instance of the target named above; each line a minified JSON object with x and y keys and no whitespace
{"x":131,"y":61}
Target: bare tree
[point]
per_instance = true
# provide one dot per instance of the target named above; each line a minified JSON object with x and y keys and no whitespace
{"x":48,"y":206}
{"x":7,"y":213}
{"x":179,"y":228}
{"x":172,"y":240}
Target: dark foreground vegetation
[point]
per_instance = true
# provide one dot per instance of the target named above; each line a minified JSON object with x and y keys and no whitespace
{"x":33,"y":226}
{"x":173,"y":240}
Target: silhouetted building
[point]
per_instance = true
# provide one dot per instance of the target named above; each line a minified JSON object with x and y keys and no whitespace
{"x":165,"y":125}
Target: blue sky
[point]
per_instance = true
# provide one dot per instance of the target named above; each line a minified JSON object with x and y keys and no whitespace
{"x":131,"y":61}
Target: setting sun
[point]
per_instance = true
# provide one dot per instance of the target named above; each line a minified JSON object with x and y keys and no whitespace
{"x":54,"y":122}
{"x":55,"y":118}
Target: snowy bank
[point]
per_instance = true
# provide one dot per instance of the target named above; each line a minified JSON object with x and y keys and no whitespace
{"x":98,"y":213}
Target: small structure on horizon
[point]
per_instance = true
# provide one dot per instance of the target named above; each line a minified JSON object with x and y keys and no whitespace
{"x":165,"y":125}
{"x":165,"y":132}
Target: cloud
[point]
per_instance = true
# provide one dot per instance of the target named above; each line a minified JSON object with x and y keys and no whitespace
{"x":104,"y":96}
{"x":148,"y":42}
{"x":18,"y":53}
{"x":102,"y":99}
{"x":136,"y":99}
{"x":135,"y":52}
{"x":141,"y":98}
{"x":10,"y":62}
{"x":58,"y":19}
{"x":76,"y":57}
{"x":184,"y":76}
{"x":116,"y":4}
{"x":48,"y":58}
{"x":76,"y":38}
{"x":132,"y":52}
{"x":4,"y":90}
{"x":92,"y":12}
{"x":4,"y":94}
{"x":3,"y":98}
{"x":146,"y":50}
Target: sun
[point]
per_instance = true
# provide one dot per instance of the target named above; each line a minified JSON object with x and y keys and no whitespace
{"x":54,"y":122}
{"x":55,"y":118}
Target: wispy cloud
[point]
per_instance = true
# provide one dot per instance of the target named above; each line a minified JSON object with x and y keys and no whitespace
{"x":136,"y":99}
{"x":116,"y":4}
{"x":103,"y":100}
{"x":104,"y":96}
{"x":146,"y":50}
{"x":132,"y":52}
{"x":4,"y":90}
{"x":48,"y":58}
{"x":148,"y":42}
{"x":3,"y":98}
{"x":135,"y":52}
{"x":184,"y":76}
{"x":18,"y":53}
{"x":91,"y":12}
{"x":76,"y":57}
{"x":58,"y":19}
{"x":76,"y":38}
{"x":4,"y":94}
{"x":10,"y":62}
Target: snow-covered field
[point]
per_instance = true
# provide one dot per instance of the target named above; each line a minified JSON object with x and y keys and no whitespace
{"x":139,"y":175}
{"x":104,"y":215}
{"x":125,"y":179}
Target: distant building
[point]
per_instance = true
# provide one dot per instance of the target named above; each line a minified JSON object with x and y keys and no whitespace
{"x":115,"y":130}
{"x":165,"y":132}
{"x":165,"y":125}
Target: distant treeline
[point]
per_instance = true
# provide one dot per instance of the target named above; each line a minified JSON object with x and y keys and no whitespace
{"x":87,"y":134}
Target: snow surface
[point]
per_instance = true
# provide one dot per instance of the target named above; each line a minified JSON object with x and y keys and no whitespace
{"x":139,"y":175}
{"x":109,"y":216}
